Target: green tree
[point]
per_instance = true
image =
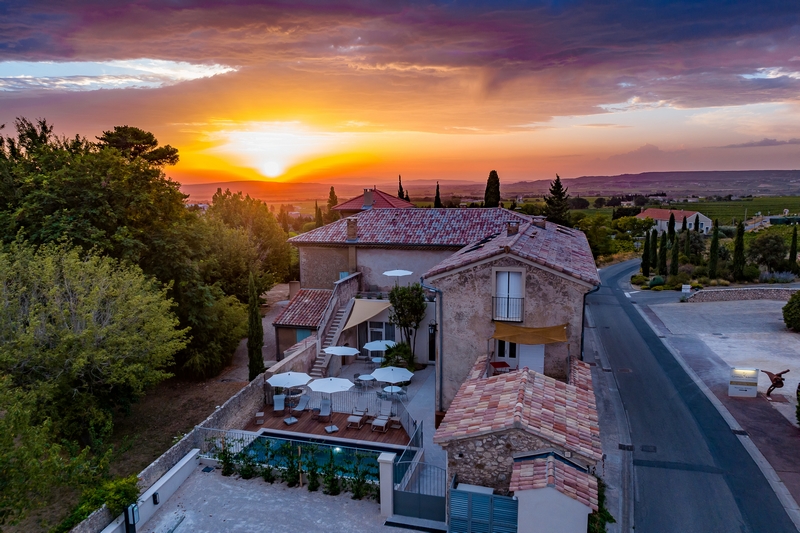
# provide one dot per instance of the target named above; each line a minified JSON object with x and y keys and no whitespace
{"x":662,"y":255}
{"x":713,"y":253}
{"x":84,"y":333}
{"x":318,"y":216}
{"x":255,"y":333}
{"x":491,"y":198}
{"x":671,"y":228}
{"x":437,"y":201}
{"x":556,"y":207}
{"x":738,"y":253}
{"x":687,"y":244}
{"x":684,"y":227}
{"x":407,"y":198}
{"x":599,"y":202}
{"x":400,"y":193}
{"x":793,"y":251}
{"x":133,"y":142}
{"x":697,"y":223}
{"x":791,"y":312}
{"x":654,"y":250}
{"x":646,"y":257}
{"x":673,"y":263}
{"x":332,"y":215}
{"x":408,"y":310}
{"x":596,"y":229}
{"x":635,"y":227}
{"x":768,"y":249}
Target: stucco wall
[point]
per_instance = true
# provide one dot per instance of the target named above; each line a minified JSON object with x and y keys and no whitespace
{"x":285,"y":338}
{"x":373,"y":262}
{"x":420,"y":347}
{"x":298,"y":358}
{"x":487,"y":460}
{"x":550,"y":300}
{"x":320,"y":266}
{"x":547,"y":510}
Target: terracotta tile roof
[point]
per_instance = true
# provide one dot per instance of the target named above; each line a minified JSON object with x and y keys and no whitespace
{"x":305,"y":309}
{"x":663,"y":214}
{"x":380,"y":200}
{"x":562,"y":249}
{"x":551,"y":472}
{"x":580,"y":375}
{"x":562,"y":414}
{"x":451,"y":228}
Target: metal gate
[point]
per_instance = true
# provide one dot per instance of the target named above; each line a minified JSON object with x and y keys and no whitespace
{"x":473,"y":512}
{"x":420,"y":490}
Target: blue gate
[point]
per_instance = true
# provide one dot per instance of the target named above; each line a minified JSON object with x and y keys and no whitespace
{"x":473,"y":512}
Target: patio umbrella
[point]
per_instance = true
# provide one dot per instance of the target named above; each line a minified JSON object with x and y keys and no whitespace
{"x":378,"y":346}
{"x":330,"y":385}
{"x":289,"y":379}
{"x":341,"y":350}
{"x":397,"y":273}
{"x":392,"y":374}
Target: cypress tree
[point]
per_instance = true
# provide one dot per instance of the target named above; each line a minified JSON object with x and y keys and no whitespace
{"x":662,"y":255}
{"x":399,"y":187}
{"x":673,"y":264}
{"x":713,"y":253}
{"x":654,"y":250}
{"x":646,"y":257}
{"x":407,"y":198}
{"x":255,"y":333}
{"x":684,"y":227}
{"x":491,"y":198}
{"x":437,"y":201}
{"x":318,"y":215}
{"x":671,"y":228}
{"x":687,"y":244}
{"x":697,"y":223}
{"x":333,"y":200}
{"x":793,"y":251}
{"x":738,"y":253}
{"x":556,"y":207}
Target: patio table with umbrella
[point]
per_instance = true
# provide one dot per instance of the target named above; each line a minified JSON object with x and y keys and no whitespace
{"x":397,"y":274}
{"x":330,"y":386}
{"x":392,"y":375}
{"x":378,"y":346}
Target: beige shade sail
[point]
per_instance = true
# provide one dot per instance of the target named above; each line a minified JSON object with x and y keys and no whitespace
{"x":521,"y":335}
{"x":363,"y":310}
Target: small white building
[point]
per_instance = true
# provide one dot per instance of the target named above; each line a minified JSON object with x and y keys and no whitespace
{"x":661,"y":218}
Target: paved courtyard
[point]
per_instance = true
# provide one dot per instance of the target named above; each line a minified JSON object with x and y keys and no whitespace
{"x":211,"y":503}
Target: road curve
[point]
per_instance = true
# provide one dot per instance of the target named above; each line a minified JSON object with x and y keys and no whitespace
{"x":691,"y":473}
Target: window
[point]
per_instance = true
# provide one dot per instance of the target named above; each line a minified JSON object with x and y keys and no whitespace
{"x":506,"y":350}
{"x":508,"y":295}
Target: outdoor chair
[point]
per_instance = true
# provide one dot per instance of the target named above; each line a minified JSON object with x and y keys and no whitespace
{"x":362,"y":406}
{"x":325,"y":409}
{"x":385,"y":409}
{"x":279,"y":408}
{"x":380,"y":424}
{"x":403,"y":393}
{"x":302,"y":405}
{"x":356,"y":421}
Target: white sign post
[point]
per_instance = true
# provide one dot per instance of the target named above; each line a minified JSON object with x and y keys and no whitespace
{"x":743,"y":382}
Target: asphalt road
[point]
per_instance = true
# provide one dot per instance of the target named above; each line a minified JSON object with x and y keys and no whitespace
{"x":691,"y":473}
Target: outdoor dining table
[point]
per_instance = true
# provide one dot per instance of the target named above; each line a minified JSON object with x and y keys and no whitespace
{"x":392,"y":389}
{"x":367,"y":379}
{"x":377,"y":360}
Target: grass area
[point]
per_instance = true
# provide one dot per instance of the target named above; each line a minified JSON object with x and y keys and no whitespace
{"x":726,"y":211}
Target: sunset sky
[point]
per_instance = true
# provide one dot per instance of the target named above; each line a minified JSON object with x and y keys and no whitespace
{"x":353,"y":91}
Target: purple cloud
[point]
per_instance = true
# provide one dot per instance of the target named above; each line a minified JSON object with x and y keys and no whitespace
{"x":762,"y":143}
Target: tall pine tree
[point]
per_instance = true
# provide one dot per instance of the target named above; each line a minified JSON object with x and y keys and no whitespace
{"x":713,"y":252}
{"x":671,"y":228}
{"x":738,"y":253}
{"x":697,"y":223}
{"x":491,"y":198}
{"x":556,"y":204}
{"x":646,"y":256}
{"x":687,"y":243}
{"x":662,"y":255}
{"x":255,"y":333}
{"x":673,"y":262}
{"x":333,"y":201}
{"x":400,"y":187}
{"x":793,"y":251}
{"x":407,"y":198}
{"x":437,"y":201}
{"x":684,"y":227}
{"x":654,"y":250}
{"x":318,"y":215}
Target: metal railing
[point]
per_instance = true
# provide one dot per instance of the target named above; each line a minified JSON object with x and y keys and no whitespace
{"x":410,"y":454}
{"x":507,"y":309}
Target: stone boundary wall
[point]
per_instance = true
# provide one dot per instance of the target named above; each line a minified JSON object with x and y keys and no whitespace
{"x":298,"y":358}
{"x":743,"y":293}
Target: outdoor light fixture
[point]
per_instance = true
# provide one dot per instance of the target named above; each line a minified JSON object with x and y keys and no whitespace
{"x":337,"y":449}
{"x":156,"y":498}
{"x":432,"y":328}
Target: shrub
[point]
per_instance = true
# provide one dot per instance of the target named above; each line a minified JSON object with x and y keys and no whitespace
{"x":797,"y":412}
{"x":724,"y":282}
{"x":713,"y":283}
{"x":751,"y":272}
{"x":686,"y":269}
{"x":679,"y":279}
{"x":776,"y":277}
{"x":638,"y":279}
{"x":226,"y":457}
{"x":248,"y":468}
{"x":291,"y":465}
{"x":399,"y":355}
{"x":703,"y":281}
{"x":791,"y":312}
{"x":312,"y":467}
{"x":656,"y":281}
{"x":330,"y":476}
{"x":700,"y":271}
{"x":728,"y":231}
{"x":657,"y":288}
{"x":697,"y":286}
{"x":645,"y":287}
{"x":117,"y":494}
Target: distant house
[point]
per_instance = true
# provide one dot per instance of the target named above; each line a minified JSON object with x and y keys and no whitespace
{"x":517,"y":295}
{"x":661,"y":218}
{"x":371,"y":199}
{"x":301,"y":318}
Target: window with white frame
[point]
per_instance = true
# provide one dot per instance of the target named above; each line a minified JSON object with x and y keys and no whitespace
{"x":509,"y":294}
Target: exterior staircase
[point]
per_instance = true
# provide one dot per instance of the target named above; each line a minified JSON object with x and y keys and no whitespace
{"x":319,"y":367}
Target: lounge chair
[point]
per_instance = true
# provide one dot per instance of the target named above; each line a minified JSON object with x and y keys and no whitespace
{"x":386,"y":409}
{"x":381,"y":422}
{"x":279,"y":408}
{"x":302,"y":405}
{"x":325,"y":409}
{"x":356,"y":421}
{"x":362,"y":405}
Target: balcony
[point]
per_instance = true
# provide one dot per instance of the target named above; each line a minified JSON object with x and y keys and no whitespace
{"x":506,"y":309}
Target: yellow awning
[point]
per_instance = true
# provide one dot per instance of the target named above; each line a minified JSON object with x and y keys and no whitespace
{"x":520,"y":335}
{"x":363,"y":310}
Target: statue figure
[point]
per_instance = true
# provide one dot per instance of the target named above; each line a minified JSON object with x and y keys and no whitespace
{"x":776,"y":379}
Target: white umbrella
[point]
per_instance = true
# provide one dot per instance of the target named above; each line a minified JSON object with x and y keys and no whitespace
{"x":378,"y":346}
{"x":392,"y":374}
{"x":289,"y":379}
{"x":330,"y":385}
{"x":397,"y":273}
{"x":341,"y":350}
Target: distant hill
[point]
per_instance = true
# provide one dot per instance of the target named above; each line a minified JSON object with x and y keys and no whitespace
{"x":700,"y":183}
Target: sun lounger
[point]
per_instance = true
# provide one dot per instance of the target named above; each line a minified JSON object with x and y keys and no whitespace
{"x":386,"y":409}
{"x":362,"y":405}
{"x":279,"y":408}
{"x":325,"y":409}
{"x":380,"y":424}
{"x":302,"y":405}
{"x":356,"y":421}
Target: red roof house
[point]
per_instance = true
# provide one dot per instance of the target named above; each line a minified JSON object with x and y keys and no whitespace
{"x":371,"y":199}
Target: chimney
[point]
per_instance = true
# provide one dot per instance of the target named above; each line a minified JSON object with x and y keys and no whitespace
{"x":512,"y":228}
{"x":352,"y":229}
{"x":368,"y":200}
{"x":539,"y":221}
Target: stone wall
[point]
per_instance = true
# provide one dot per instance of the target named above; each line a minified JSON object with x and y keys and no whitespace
{"x":320,"y":266}
{"x":298,"y":358}
{"x":781,"y":294}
